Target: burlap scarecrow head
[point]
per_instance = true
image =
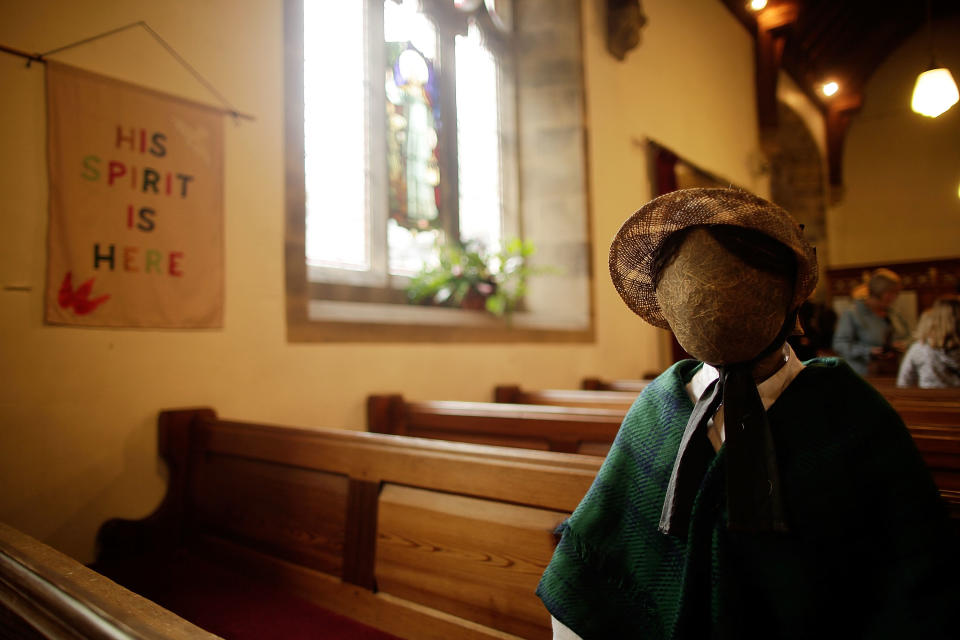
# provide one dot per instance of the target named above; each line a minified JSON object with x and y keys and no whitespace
{"x":722,"y":268}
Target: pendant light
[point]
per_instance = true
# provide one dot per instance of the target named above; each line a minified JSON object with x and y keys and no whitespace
{"x":935,"y":90}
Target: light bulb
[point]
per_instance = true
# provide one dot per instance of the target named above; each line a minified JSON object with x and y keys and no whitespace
{"x":758,"y":5}
{"x":830,"y":88}
{"x":934,"y":93}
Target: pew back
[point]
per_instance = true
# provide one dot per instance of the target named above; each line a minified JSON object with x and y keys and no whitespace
{"x":420,"y":538}
{"x":916,"y":406}
{"x":933,"y":421}
{"x":513,"y":394}
{"x":564,"y":429}
{"x":600,"y":384}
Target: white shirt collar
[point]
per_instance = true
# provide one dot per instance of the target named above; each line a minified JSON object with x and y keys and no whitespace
{"x":770,"y":389}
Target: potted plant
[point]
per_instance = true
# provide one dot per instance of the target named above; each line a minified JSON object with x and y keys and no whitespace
{"x":468,"y":277}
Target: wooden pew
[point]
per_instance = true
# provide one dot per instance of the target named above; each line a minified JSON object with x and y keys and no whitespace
{"x":513,"y":394}
{"x":917,"y":413}
{"x":418,"y":538}
{"x":600,"y":384}
{"x":916,"y":406}
{"x":940,"y":448}
{"x":889,"y":388}
{"x":565,"y":429}
{"x":933,"y":423}
{"x":45,"y":594}
{"x":936,"y":430}
{"x":885,"y":385}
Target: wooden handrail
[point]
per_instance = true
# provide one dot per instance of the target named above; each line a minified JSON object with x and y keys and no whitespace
{"x":47,"y":594}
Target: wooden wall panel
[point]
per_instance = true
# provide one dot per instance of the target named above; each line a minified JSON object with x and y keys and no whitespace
{"x":296,"y":514}
{"x":474,"y":558}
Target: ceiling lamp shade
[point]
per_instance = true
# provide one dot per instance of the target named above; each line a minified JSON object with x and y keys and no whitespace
{"x":934,"y":93}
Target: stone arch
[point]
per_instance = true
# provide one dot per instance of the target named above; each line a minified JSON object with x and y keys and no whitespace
{"x":798,"y":179}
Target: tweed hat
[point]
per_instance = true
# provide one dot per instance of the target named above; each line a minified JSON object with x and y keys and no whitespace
{"x":634,"y":249}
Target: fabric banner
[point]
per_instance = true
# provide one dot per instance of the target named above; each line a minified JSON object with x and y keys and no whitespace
{"x":136,"y":205}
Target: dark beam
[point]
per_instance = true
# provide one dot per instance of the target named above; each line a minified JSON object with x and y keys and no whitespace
{"x":773,"y":24}
{"x":839,"y":114}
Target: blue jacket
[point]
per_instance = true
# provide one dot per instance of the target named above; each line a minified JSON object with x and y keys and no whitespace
{"x":859,"y":330}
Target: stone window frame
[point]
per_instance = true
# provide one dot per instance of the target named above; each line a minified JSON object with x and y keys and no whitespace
{"x":553,"y":203}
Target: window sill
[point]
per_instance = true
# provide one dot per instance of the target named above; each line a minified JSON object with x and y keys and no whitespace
{"x":338,"y":321}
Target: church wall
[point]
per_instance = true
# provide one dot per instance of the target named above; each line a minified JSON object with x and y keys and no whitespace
{"x":901,"y":170}
{"x":689,"y":86}
{"x":78,"y":406}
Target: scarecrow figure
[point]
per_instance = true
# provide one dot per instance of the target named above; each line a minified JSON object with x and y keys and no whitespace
{"x":748,"y":495}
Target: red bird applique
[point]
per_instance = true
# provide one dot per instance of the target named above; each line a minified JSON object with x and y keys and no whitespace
{"x":79,"y":299}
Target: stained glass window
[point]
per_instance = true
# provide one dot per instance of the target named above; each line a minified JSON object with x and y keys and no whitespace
{"x":386,"y":184}
{"x":412,"y":89}
{"x":413,"y":115}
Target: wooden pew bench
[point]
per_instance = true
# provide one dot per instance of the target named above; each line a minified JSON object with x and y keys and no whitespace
{"x":412,"y":537}
{"x":565,"y":429}
{"x":513,"y":394}
{"x":601,"y":384}
{"x":935,"y":426}
{"x":916,"y":406}
{"x":917,"y":413}
{"x":888,"y":385}
{"x":45,"y":594}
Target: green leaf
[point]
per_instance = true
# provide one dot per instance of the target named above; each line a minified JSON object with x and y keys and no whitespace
{"x":497,"y":304}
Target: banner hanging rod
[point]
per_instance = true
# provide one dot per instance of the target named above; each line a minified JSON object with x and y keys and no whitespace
{"x":42,"y":58}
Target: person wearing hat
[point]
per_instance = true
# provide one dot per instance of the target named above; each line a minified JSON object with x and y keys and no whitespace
{"x":748,"y":495}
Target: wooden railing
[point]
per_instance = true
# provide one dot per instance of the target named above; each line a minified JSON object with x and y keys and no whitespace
{"x":45,"y":594}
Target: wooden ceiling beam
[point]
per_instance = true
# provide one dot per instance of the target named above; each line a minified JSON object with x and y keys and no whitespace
{"x":812,"y":40}
{"x":839,"y":114}
{"x":773,"y":25}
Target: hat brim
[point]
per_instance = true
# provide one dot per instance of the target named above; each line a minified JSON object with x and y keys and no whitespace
{"x":638,"y":242}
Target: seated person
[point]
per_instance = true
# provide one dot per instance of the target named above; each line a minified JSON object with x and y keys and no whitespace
{"x":750,"y":495}
{"x":933,"y":361}
{"x":870,"y":335}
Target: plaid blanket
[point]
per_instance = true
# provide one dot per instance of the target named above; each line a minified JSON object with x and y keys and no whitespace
{"x":870,"y":553}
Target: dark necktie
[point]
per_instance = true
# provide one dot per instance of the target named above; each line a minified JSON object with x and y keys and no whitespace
{"x":753,"y":494}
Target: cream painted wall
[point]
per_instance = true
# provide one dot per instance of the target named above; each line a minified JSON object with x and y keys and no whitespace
{"x":78,"y":407}
{"x":901,"y":169}
{"x":689,"y":86}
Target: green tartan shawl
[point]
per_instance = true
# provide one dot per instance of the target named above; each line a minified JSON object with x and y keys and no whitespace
{"x":870,"y":552}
